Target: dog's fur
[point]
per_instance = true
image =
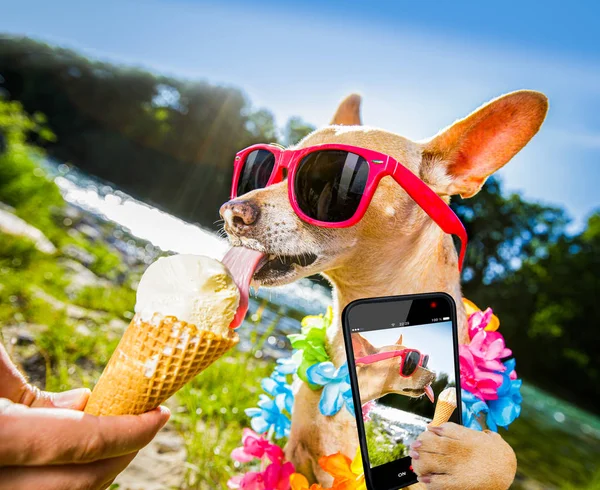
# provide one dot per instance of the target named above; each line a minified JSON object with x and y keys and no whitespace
{"x":395,"y":249}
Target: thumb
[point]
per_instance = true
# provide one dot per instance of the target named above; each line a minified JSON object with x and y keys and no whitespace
{"x":73,"y":399}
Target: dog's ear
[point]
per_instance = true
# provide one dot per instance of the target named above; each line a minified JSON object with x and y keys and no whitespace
{"x":348,"y":112}
{"x":399,"y":341}
{"x":361,"y":346}
{"x":473,"y":148}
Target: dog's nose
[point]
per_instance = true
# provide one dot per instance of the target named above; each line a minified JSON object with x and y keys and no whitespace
{"x":239,"y":215}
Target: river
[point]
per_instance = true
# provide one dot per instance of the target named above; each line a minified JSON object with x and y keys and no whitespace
{"x":555,"y":441}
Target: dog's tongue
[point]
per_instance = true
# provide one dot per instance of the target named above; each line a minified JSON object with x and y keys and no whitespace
{"x":242,"y":262}
{"x":429,"y":393}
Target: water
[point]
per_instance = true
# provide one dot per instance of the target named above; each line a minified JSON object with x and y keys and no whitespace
{"x":403,"y":427}
{"x":285,"y":305}
{"x":555,"y":441}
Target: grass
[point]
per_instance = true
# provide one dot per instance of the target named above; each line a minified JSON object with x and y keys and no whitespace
{"x":210,"y":416}
{"x":381,"y":447}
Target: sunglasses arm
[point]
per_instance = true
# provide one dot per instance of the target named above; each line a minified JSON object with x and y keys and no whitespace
{"x":433,"y":205}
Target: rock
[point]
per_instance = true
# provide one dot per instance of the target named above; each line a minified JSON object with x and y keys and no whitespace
{"x":73,"y":311}
{"x":159,"y":466}
{"x":13,"y":225}
{"x":80,"y":276}
{"x":79,"y":254}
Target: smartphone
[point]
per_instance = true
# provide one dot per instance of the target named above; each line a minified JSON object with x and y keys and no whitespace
{"x":404,"y":370}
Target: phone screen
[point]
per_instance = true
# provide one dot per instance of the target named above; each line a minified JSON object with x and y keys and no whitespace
{"x":403,"y":358}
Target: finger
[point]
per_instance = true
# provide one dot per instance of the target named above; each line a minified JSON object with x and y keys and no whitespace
{"x":439,"y":482}
{"x":41,"y":436}
{"x":427,"y":442}
{"x":428,"y":463}
{"x":449,"y":429}
{"x":14,"y":386}
{"x":74,"y":399}
{"x":97,"y":475}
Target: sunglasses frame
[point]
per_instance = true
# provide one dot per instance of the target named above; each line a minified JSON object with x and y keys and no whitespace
{"x":380,"y":165}
{"x":402,"y":353}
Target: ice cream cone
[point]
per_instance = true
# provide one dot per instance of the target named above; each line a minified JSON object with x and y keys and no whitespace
{"x":445,"y":407}
{"x":153,"y":360}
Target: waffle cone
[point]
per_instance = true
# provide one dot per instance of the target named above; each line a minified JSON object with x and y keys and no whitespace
{"x":153,"y":360}
{"x":443,"y":412}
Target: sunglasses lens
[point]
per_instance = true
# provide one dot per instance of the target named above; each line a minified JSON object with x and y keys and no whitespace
{"x":329,"y":184}
{"x":425,"y":361}
{"x":411,"y":361}
{"x":256,"y":171}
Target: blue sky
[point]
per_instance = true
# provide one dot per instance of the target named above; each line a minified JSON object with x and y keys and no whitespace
{"x":417,"y":68}
{"x":434,"y":339}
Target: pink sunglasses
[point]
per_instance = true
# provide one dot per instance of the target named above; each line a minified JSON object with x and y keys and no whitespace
{"x":410,"y":360}
{"x":332,"y":185}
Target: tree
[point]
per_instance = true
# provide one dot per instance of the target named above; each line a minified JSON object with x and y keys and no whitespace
{"x":296,"y":129}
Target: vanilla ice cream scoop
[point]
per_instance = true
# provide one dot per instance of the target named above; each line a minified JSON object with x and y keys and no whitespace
{"x":193,"y":288}
{"x":184,"y":310}
{"x":448,"y":396}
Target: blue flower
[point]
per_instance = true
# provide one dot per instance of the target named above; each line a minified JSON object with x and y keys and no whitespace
{"x":269,"y":414}
{"x":277,"y":385}
{"x":286,"y":365}
{"x":507,"y":407}
{"x":336,"y":387}
{"x":472,"y":407}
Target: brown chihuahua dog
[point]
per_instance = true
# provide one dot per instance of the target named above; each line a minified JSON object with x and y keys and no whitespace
{"x":395,"y":249}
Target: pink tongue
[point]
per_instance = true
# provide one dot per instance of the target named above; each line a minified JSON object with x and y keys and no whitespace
{"x":429,"y":393}
{"x":241,"y":262}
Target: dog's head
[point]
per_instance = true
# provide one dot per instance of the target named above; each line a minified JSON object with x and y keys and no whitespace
{"x":382,"y":377}
{"x":456,"y":161}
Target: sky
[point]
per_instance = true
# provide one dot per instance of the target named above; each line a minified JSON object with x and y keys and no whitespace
{"x":418,"y":68}
{"x":434,"y":339}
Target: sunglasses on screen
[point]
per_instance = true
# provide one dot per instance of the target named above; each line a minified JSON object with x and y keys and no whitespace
{"x":410,"y":359}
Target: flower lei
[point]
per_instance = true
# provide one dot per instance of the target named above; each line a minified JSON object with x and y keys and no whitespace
{"x":490,"y":393}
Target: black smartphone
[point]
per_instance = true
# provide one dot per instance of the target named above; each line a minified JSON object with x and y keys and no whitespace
{"x":404,"y":370}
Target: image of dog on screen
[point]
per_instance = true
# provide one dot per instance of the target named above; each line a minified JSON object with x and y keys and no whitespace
{"x":406,"y":379}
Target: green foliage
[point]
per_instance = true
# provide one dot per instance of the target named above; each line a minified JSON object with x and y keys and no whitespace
{"x":23,"y":184}
{"x":503,"y":232}
{"x":548,"y":309}
{"x":380,"y":445}
{"x":119,"y":301}
{"x":167,"y":141}
{"x":295,"y":130}
{"x":211,"y":417}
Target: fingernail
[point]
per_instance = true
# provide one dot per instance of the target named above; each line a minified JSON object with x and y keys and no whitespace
{"x":416,"y":444}
{"x":413,"y":454}
{"x":166,"y":413}
{"x":424,"y":478}
{"x":435,"y":429}
{"x":74,"y":399}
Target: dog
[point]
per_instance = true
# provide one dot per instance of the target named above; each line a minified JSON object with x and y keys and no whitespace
{"x":380,"y":378}
{"x":395,"y":249}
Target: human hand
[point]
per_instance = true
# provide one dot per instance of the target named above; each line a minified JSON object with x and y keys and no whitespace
{"x":47,"y":443}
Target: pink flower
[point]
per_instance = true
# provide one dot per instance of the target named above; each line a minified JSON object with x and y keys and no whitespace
{"x":488,"y":348}
{"x":277,"y":476}
{"x":255,"y":446}
{"x":478,"y":321}
{"x":252,"y":480}
{"x":477,"y":380}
